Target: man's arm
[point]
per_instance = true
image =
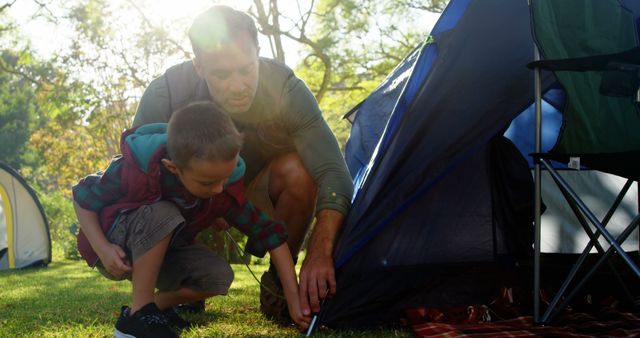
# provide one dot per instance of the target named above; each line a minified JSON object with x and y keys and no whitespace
{"x":320,"y":153}
{"x":317,"y":275}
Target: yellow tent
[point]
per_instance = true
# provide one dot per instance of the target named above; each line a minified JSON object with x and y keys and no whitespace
{"x":24,"y":231}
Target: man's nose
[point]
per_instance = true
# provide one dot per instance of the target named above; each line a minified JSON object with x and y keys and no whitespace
{"x":237,"y":83}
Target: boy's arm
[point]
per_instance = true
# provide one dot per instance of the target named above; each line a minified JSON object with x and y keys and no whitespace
{"x":281,"y":257}
{"x":264,"y":233}
{"x":90,"y":196}
{"x":113,"y":258}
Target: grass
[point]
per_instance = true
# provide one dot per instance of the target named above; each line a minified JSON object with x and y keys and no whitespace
{"x":68,"y":299}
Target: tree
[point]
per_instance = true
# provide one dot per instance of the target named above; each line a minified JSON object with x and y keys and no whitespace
{"x":18,"y":91}
{"x":61,"y":116}
{"x":93,"y":87}
{"x":17,"y":110}
{"x":351,"y":46}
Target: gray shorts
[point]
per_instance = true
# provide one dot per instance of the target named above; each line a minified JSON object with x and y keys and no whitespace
{"x":186,"y":265}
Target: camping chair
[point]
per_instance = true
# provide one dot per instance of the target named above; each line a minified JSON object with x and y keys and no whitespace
{"x":591,"y":46}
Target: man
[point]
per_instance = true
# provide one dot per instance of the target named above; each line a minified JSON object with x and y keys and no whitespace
{"x":294,"y":165}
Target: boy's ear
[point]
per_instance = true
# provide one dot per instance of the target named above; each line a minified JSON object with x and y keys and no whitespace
{"x":170,"y":166}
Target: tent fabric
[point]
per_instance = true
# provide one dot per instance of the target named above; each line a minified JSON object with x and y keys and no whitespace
{"x":425,"y":199}
{"x":440,"y":128}
{"x":24,"y":231}
{"x":437,"y":240}
{"x":426,"y":208}
{"x":366,"y":130}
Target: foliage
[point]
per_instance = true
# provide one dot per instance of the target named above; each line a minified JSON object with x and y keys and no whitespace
{"x":62,"y":219}
{"x":17,"y":109}
{"x":68,"y":299}
{"x":364,"y":42}
{"x":61,"y":115}
{"x":225,"y":247}
{"x":72,"y":107}
{"x":350,"y":45}
{"x":80,"y":99}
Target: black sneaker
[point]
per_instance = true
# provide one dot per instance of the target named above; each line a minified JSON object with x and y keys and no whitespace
{"x":175,"y":320}
{"x":146,"y":322}
{"x":195,"y":307}
{"x":273,"y":304}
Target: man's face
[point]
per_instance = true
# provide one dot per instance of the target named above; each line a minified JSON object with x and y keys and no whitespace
{"x":202,"y":178}
{"x":231,"y":73}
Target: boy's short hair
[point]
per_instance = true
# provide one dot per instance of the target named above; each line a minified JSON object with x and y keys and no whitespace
{"x":201,"y":131}
{"x":217,"y":26}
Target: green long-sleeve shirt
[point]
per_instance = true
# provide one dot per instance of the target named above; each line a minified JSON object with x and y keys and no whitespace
{"x":283,"y":117}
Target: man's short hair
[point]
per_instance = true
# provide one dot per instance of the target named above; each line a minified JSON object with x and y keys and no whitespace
{"x":217,"y":26}
{"x":201,"y":131}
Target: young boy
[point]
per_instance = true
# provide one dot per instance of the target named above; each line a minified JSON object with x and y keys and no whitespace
{"x":139,"y":217}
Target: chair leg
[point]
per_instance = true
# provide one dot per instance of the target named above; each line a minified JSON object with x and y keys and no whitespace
{"x":548,"y":317}
{"x":581,"y":212}
{"x":594,"y":236}
{"x":592,"y":218}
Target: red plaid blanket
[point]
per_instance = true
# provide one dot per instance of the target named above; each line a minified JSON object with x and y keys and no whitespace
{"x":504,"y":317}
{"x":608,"y":323}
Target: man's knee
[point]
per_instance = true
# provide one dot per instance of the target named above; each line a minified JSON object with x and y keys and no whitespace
{"x":289,"y":174}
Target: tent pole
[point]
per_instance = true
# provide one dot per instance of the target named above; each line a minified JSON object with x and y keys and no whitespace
{"x":538,"y":204}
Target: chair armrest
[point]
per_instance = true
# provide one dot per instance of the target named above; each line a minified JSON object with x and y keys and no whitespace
{"x":589,"y":63}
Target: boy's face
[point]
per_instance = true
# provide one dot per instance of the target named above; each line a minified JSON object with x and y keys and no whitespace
{"x":231,"y":73}
{"x":203,"y":178}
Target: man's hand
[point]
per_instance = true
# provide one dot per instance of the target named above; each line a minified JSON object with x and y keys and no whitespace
{"x":317,"y":275}
{"x":114,"y":260}
{"x":317,"y":281}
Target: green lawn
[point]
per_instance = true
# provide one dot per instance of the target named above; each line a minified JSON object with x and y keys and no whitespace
{"x":68,"y":299}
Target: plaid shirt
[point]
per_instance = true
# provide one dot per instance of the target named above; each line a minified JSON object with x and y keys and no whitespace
{"x":109,"y":194}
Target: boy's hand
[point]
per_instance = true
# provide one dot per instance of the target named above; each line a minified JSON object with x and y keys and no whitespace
{"x":220,"y":224}
{"x":281,"y":257}
{"x":114,"y":260}
{"x":301,"y":321}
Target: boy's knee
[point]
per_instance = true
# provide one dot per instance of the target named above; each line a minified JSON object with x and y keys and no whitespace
{"x":218,"y":279}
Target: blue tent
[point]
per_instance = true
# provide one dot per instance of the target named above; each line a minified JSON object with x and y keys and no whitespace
{"x":439,"y":192}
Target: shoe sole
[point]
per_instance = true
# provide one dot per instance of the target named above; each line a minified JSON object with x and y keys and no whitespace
{"x":118,"y":334}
